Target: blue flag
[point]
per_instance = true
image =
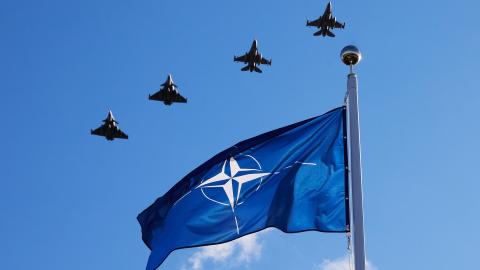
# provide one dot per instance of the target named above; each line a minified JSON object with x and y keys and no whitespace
{"x":292,"y":178}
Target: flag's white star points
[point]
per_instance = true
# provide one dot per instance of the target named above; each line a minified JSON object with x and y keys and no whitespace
{"x":213,"y":182}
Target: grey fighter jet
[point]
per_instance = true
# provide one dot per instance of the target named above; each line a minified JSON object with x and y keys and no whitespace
{"x":168,"y":93}
{"x":326,"y":22}
{"x":253,"y":59}
{"x":109,"y":129}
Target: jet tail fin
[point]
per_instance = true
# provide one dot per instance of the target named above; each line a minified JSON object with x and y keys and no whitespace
{"x":330,"y":34}
{"x":245,"y":68}
{"x":257,"y":70}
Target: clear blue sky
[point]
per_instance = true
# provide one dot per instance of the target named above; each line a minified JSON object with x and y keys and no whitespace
{"x":69,"y":200}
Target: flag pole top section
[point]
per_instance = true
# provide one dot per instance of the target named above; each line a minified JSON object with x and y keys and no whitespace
{"x":350,"y":56}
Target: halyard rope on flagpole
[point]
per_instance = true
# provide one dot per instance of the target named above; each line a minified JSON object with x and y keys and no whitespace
{"x":349,"y":250}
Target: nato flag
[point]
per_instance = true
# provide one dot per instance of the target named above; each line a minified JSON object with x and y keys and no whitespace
{"x":292,"y":178}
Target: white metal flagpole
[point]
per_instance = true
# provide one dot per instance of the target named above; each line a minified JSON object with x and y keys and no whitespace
{"x":351,"y":56}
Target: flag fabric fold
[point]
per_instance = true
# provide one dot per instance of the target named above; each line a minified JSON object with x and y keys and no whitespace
{"x":292,"y":178}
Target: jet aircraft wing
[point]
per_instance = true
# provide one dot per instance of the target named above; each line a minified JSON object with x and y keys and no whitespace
{"x":264,"y":61}
{"x":314,"y":23}
{"x":243,"y":58}
{"x":176,"y":97}
{"x":339,"y":25}
{"x":99,"y":131}
{"x":164,"y":95}
{"x":120,"y":134}
{"x":160,"y":95}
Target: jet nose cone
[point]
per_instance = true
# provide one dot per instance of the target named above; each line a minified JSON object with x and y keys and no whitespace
{"x":109,"y":116}
{"x":329,"y":6}
{"x":169,"y":79}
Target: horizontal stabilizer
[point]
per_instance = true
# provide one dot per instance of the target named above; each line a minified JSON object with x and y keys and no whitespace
{"x":330,"y":34}
{"x":245,"y":68}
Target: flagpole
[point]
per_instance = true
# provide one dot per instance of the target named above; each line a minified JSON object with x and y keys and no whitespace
{"x":351,"y":56}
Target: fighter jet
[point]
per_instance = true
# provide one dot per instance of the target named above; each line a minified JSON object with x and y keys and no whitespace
{"x":326,"y":22}
{"x":168,"y":93}
{"x":253,"y":59}
{"x":109,"y":129}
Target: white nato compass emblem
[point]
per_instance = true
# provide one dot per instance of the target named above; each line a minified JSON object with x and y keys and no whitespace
{"x":227,"y":187}
{"x":230,"y":180}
